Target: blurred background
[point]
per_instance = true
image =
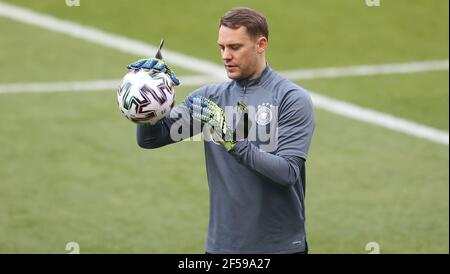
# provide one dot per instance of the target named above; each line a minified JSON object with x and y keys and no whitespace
{"x":71,"y":171}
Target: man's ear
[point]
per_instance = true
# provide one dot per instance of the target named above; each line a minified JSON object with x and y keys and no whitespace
{"x":261,"y":44}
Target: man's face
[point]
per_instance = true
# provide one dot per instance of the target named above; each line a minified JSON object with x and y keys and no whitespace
{"x":239,"y":51}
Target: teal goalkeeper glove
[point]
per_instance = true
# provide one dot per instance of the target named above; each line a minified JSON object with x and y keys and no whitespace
{"x":208,"y":112}
{"x":155,"y":64}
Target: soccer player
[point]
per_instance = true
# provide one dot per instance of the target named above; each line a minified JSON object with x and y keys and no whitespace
{"x":255,"y":158}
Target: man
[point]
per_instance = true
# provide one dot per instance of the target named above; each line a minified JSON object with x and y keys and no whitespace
{"x":257,"y":183}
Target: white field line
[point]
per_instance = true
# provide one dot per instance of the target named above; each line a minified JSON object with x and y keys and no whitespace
{"x":365,"y":70}
{"x":213,"y":70}
{"x":59,"y":86}
{"x":381,"y":119}
{"x":320,"y":101}
{"x":303,"y":74}
{"x":100,"y":37}
{"x":74,"y":86}
{"x":410,"y":67}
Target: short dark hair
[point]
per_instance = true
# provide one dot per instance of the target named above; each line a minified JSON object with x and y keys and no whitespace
{"x":254,"y":21}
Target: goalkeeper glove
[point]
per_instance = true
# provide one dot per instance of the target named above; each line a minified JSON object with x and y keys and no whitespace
{"x":208,"y":112}
{"x":155,"y":65}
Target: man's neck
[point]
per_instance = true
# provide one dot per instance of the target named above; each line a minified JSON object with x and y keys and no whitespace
{"x":261,"y":66}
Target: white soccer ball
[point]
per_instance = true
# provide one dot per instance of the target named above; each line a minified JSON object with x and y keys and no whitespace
{"x":145,"y":97}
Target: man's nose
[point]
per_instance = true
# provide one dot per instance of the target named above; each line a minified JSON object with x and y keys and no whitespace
{"x":226,"y":54}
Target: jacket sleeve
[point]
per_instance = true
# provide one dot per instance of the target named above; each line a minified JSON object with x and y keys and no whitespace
{"x":295,"y":129}
{"x":177,"y":126}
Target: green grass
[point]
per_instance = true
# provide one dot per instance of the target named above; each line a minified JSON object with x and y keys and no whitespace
{"x":70,"y":169}
{"x":32,"y":54}
{"x":421,"y":97}
{"x":69,"y":177}
{"x":370,"y":184}
{"x":310,"y":33}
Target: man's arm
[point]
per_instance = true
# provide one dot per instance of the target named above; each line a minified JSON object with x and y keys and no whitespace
{"x":176,"y":127}
{"x":284,"y":170}
{"x":153,"y":136}
{"x":295,"y":129}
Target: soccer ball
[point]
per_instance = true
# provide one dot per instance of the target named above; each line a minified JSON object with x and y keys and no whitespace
{"x":145,"y":97}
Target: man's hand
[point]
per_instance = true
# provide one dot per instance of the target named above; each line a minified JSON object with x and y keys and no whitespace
{"x":157,"y":65}
{"x":208,"y":112}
